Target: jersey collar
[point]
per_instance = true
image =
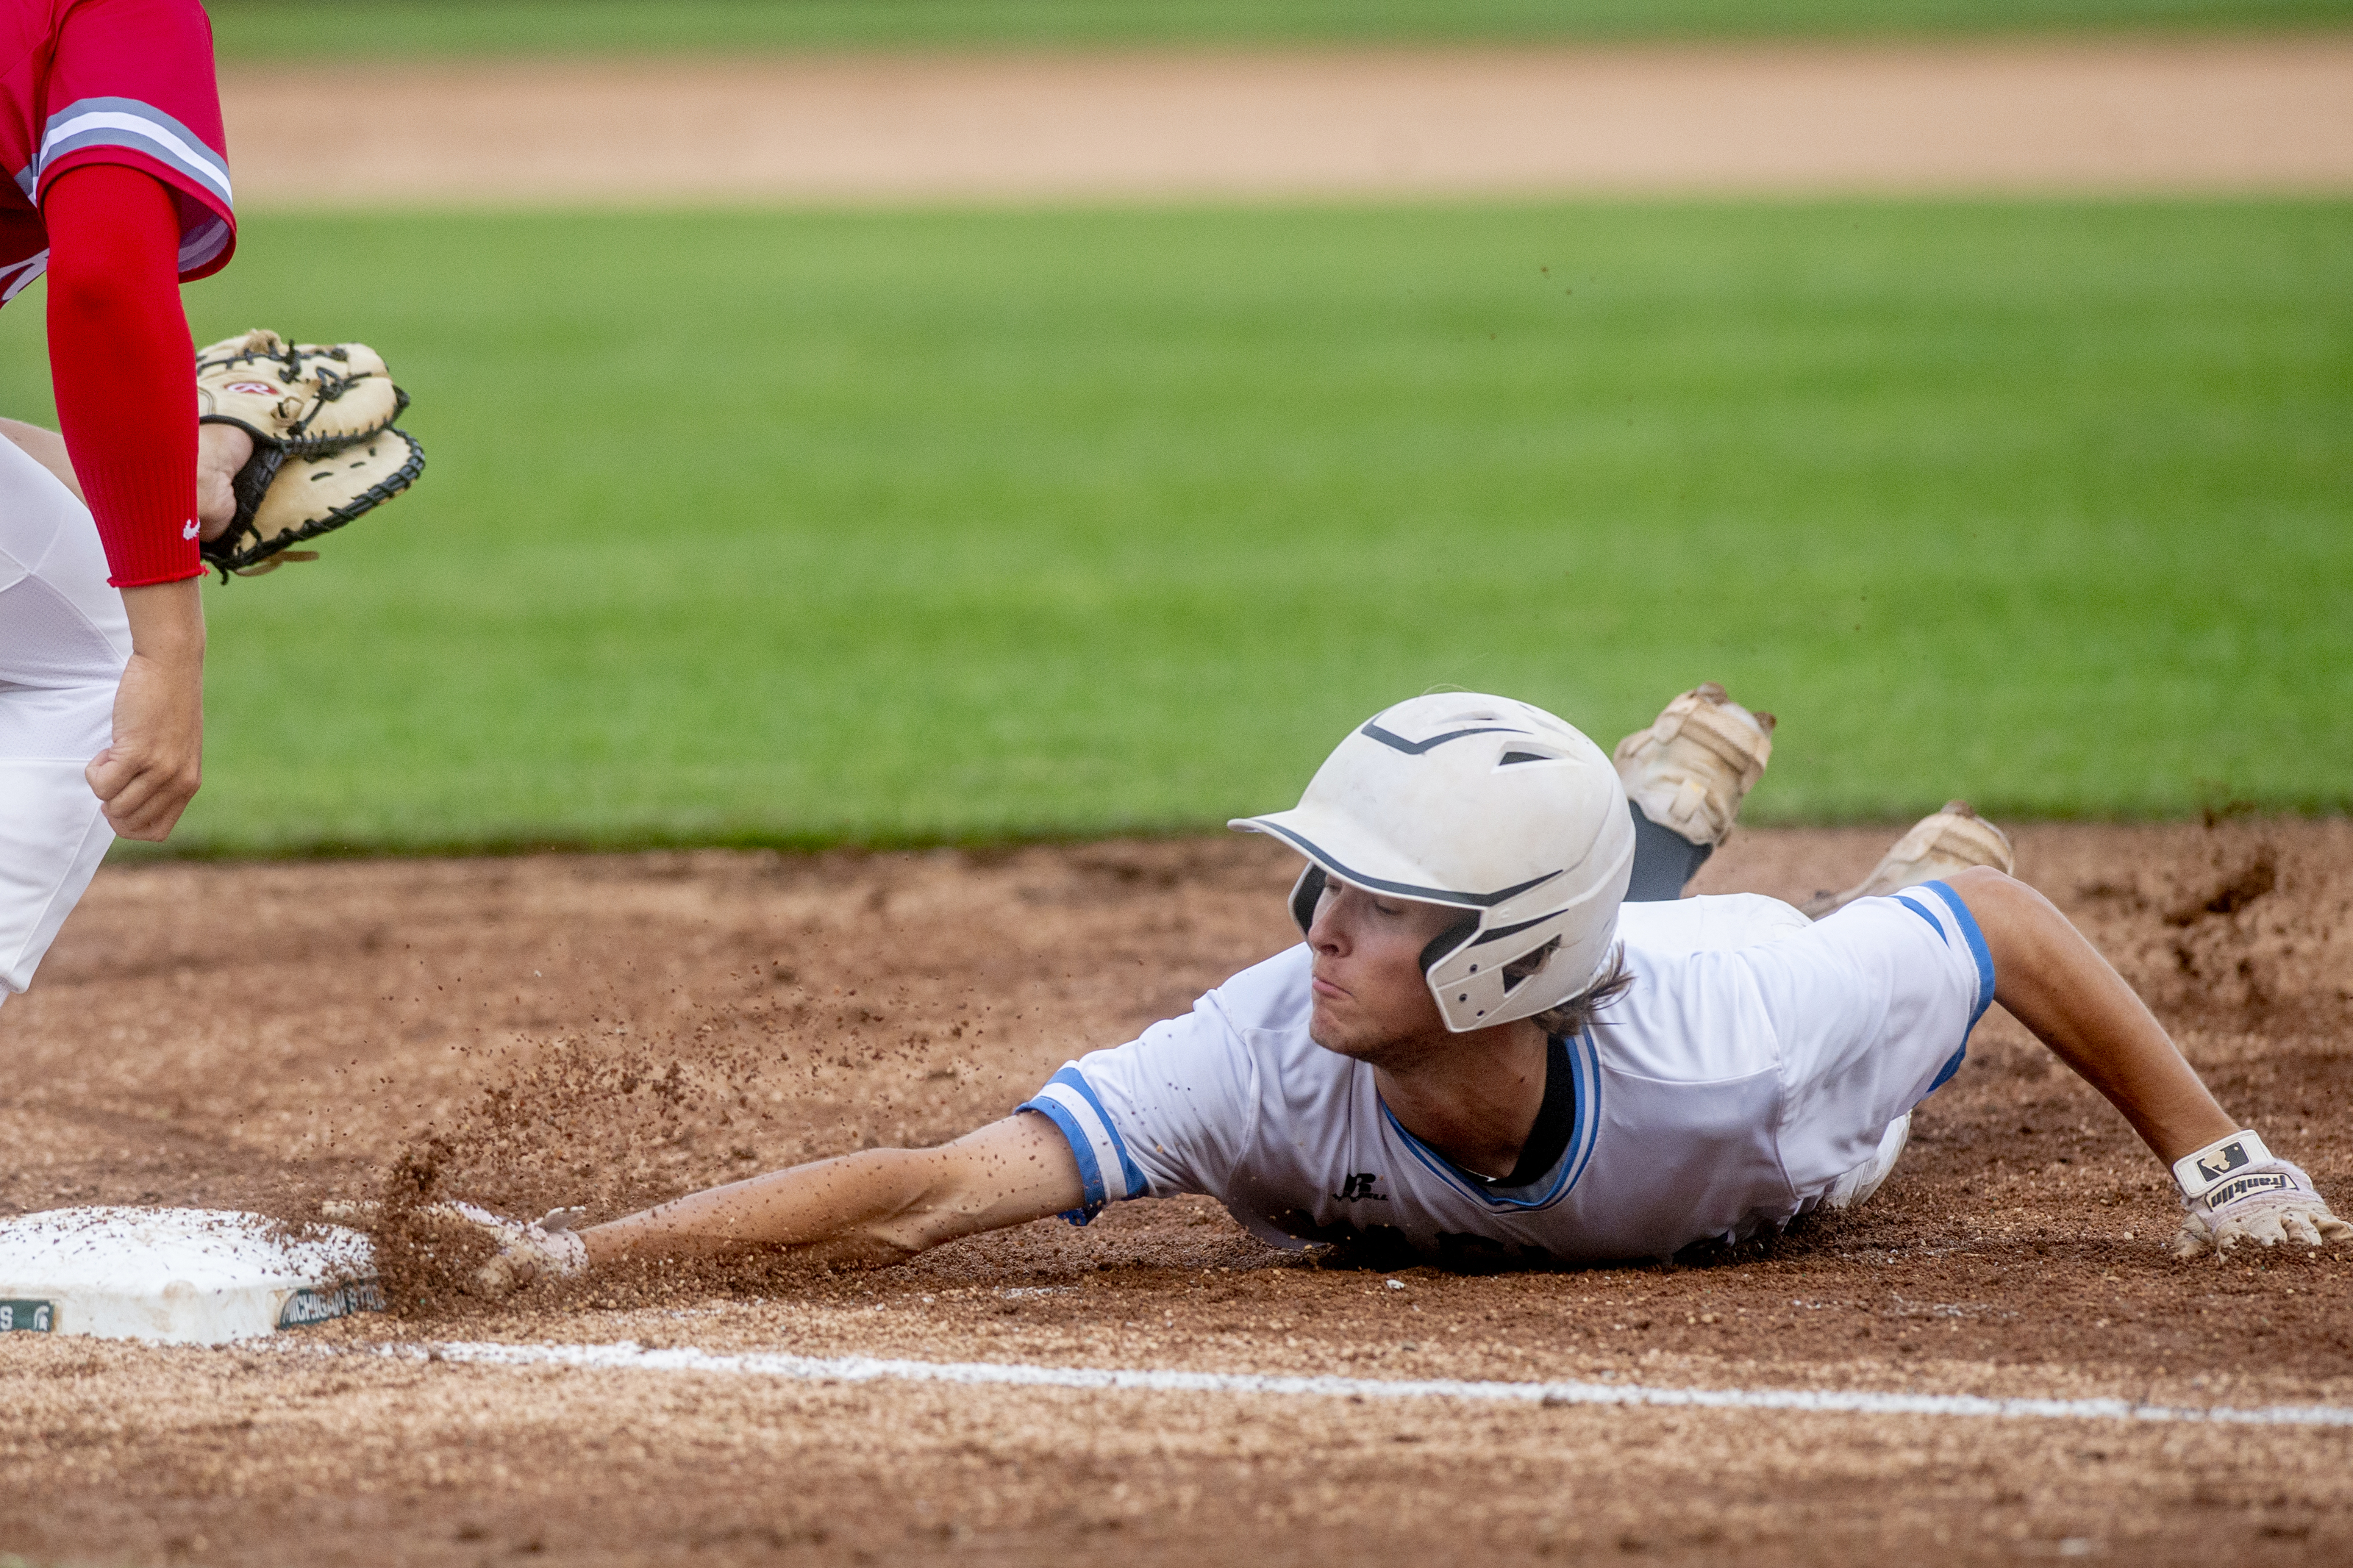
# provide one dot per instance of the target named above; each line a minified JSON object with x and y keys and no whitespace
{"x":1584,"y":1062}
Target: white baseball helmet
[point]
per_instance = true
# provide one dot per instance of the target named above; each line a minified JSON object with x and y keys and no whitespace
{"x":1487,"y":806}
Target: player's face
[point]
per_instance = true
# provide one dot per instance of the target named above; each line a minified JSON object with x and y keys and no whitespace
{"x":1370,"y":996}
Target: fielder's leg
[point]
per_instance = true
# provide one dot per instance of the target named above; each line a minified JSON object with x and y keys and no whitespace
{"x":63,"y":643}
{"x":1685,"y":777}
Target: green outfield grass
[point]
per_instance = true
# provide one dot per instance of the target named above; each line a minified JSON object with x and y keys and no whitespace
{"x":892,"y":527}
{"x":372,"y":29}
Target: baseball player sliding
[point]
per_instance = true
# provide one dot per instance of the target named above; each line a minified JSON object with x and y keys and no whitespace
{"x":1487,"y":1045}
{"x":111,"y":124}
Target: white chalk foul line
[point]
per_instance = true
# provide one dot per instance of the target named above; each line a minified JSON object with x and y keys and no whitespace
{"x":630,"y":1356}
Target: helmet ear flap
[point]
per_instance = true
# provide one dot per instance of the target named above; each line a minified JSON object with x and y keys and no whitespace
{"x":1446,"y":940}
{"x":1304,"y":892}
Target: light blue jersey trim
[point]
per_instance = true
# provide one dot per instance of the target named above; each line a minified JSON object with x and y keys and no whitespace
{"x":1922,"y":910}
{"x":1069,"y":1101}
{"x":1944,"y":1074}
{"x":1977,"y":949}
{"x":1091,"y":1184}
{"x":1979,"y":952}
{"x":1129,"y":1177}
{"x":1585,"y":1074}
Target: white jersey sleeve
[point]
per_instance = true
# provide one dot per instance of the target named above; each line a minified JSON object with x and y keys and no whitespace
{"x":1872,"y":1008}
{"x":1168,"y":1112}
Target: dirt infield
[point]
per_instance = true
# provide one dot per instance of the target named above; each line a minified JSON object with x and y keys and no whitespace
{"x":272,"y":1035}
{"x":2197,"y":114}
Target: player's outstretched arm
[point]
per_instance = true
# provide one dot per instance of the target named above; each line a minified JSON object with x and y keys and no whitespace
{"x":2053,"y":981}
{"x":880,"y":1205}
{"x":877,"y":1206}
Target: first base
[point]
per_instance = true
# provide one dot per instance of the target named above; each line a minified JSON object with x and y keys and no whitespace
{"x":193,"y":1276}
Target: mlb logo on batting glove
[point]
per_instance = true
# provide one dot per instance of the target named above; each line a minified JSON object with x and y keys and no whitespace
{"x":2199,"y":1173}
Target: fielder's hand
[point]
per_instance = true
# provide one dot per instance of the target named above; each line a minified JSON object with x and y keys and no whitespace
{"x":2236,"y":1193}
{"x":150,"y":770}
{"x":222,"y":452}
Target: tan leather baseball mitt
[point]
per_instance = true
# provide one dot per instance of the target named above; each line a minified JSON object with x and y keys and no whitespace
{"x":324,"y":447}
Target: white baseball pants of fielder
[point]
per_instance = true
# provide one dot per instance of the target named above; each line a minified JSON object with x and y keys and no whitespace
{"x":63,"y":643}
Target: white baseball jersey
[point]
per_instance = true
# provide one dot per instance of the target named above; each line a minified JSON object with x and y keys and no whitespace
{"x":63,"y":643}
{"x":1757,"y":1058}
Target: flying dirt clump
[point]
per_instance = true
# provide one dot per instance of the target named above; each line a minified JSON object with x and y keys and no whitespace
{"x":2242,"y":888}
{"x":2226,"y":951}
{"x":608,"y":1124}
{"x":2239,"y":934}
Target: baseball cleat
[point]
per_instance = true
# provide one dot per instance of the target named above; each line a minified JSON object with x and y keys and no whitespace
{"x":1689,"y":771}
{"x":1952,"y":839}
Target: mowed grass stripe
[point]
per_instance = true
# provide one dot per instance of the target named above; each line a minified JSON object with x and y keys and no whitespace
{"x":375,"y":29}
{"x":889,"y":527}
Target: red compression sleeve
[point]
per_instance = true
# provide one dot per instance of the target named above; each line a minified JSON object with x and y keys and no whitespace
{"x":124,"y":370}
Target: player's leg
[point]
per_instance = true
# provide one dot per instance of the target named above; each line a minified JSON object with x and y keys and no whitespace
{"x":1685,"y":777}
{"x":1940,"y":845}
{"x":63,"y":643}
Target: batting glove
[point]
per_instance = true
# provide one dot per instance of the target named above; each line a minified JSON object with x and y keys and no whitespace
{"x":2236,"y":1192}
{"x":527,"y":1250}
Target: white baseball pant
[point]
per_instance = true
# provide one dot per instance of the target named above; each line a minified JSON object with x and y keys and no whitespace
{"x":63,"y":643}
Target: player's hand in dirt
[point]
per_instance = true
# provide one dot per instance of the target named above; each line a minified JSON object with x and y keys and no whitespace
{"x":2271,"y":1212}
{"x":527,"y":1250}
